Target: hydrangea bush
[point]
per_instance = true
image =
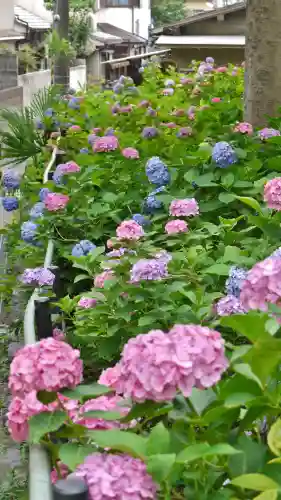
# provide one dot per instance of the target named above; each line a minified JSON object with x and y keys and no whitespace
{"x":164,"y":211}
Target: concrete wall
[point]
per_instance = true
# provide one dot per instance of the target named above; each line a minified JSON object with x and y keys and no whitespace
{"x":183,"y":56}
{"x":32,"y":82}
{"x":122,"y":18}
{"x":6,"y":14}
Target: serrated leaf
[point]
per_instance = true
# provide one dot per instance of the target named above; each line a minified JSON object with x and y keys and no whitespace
{"x":44,"y":423}
{"x":74,"y":454}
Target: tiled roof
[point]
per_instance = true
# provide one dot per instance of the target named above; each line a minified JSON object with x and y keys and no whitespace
{"x":34,"y":22}
{"x":125,"y":36}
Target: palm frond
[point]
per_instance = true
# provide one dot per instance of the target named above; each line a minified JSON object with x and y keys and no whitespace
{"x":43,"y":100}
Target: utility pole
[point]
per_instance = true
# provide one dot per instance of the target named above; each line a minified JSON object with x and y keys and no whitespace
{"x":61,"y":26}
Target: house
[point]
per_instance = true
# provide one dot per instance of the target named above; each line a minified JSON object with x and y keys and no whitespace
{"x":219,"y":33}
{"x":196,"y":6}
{"x":133,"y":16}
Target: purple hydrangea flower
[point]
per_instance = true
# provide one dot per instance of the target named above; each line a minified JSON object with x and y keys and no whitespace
{"x":118,"y":88}
{"x":11,"y":179}
{"x":39,"y":125}
{"x":223,"y":154}
{"x":82,"y":248}
{"x":109,"y":132}
{"x":84,"y":151}
{"x":37,"y":210}
{"x":58,"y":175}
{"x":210,"y":60}
{"x":151,"y":204}
{"x":28,"y":231}
{"x":169,"y":83}
{"x":46,"y":277}
{"x":43,"y":193}
{"x":148,"y":270}
{"x":157,"y":172}
{"x":30,"y":276}
{"x":10,"y":203}
{"x":235,"y":280}
{"x":151,"y":112}
{"x":122,"y":79}
{"x":229,"y":305}
{"x":74,"y":103}
{"x":168,"y":91}
{"x":276,"y":254}
{"x":141,"y":220}
{"x":149,"y":132}
{"x":267,"y":133}
{"x":92,"y":138}
{"x":184,"y":132}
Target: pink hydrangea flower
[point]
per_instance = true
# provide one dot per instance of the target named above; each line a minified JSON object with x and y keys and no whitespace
{"x":87,"y":303}
{"x":156,"y":365}
{"x":55,"y":201}
{"x":20,"y":410}
{"x":186,"y":81}
{"x":179,"y":112}
{"x":169,"y":125}
{"x":176,"y":226}
{"x":100,"y":279}
{"x":149,"y":270}
{"x":58,"y":334}
{"x":244,"y":128}
{"x":216,"y":99}
{"x":103,"y":403}
{"x":229,"y":305}
{"x":70,"y":167}
{"x":116,"y":477}
{"x":272,"y":193}
{"x":110,"y":376}
{"x":262,"y":285}
{"x":75,"y":128}
{"x":129,"y":230}
{"x":221,"y":69}
{"x":184,"y":208}
{"x":130,"y":153}
{"x":105,"y":144}
{"x":48,"y":365}
{"x":267,"y":133}
{"x":126,"y":109}
{"x":96,"y":130}
{"x":63,"y":472}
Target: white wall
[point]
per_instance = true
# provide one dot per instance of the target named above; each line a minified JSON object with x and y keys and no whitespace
{"x":32,"y":82}
{"x":122,"y":18}
{"x":35,"y":6}
{"x":196,"y":5}
{"x":6,"y":14}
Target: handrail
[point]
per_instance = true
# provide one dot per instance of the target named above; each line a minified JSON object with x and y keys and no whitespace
{"x":39,"y":470}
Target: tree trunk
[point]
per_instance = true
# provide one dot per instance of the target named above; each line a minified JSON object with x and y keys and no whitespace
{"x":61,"y":66}
{"x":263,"y":60}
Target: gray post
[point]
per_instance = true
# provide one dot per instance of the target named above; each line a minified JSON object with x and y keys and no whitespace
{"x":70,"y":489}
{"x":61,"y":25}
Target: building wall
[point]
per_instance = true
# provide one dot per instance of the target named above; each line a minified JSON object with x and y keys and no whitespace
{"x":183,"y":56}
{"x":196,"y":5}
{"x":127,"y":19}
{"x":233,"y":24}
{"x":6,"y":14}
{"x":35,"y":6}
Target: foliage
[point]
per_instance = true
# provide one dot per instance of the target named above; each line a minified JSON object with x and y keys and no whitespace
{"x":27,"y":56}
{"x":167,"y":11}
{"x":59,"y":47}
{"x":222,"y":442}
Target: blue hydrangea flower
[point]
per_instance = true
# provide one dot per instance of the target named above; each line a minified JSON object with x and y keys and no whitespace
{"x":49,"y":112}
{"x":10,"y":203}
{"x":37,"y":210}
{"x":74,"y":103}
{"x":39,"y":125}
{"x":223,"y":154}
{"x":235,"y":279}
{"x":82,"y":248}
{"x":43,"y":193}
{"x":109,"y":132}
{"x":28,"y":231}
{"x":141,"y":220}
{"x":118,"y":88}
{"x":169,"y":83}
{"x":11,"y":180}
{"x":276,"y":254}
{"x":84,"y":151}
{"x":150,"y":132}
{"x":157,"y":172}
{"x":58,"y":175}
{"x":152,"y":204}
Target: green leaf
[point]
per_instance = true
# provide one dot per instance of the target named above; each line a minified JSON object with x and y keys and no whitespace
{"x":218,"y":269}
{"x":206,"y":180}
{"x":239,"y":352}
{"x":74,"y":454}
{"x":226,"y":198}
{"x":46,"y":397}
{"x":81,"y":277}
{"x":120,"y":440}
{"x":274,"y":438}
{"x":251,"y":325}
{"x":232,"y":254}
{"x":202,"y":399}
{"x":268,"y":495}
{"x":44,"y":423}
{"x":90,"y":391}
{"x":245,"y":370}
{"x":238,"y":399}
{"x":160,"y":466}
{"x":149,"y":409}
{"x":251,"y":202}
{"x":256,"y":482}
{"x":252,"y":459}
{"x":105,"y":415}
{"x":158,"y":441}
{"x":202,"y":450}
{"x":264,"y":357}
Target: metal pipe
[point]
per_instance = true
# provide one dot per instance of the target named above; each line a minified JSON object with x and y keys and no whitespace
{"x":39,"y":467}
